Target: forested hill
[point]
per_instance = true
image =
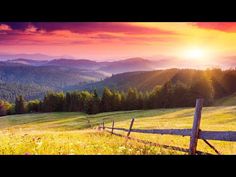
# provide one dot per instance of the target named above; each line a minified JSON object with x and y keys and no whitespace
{"x":222,"y":82}
{"x":55,"y":77}
{"x":8,"y":91}
{"x":142,"y":80}
{"x":33,"y":78}
{"x":34,"y":81}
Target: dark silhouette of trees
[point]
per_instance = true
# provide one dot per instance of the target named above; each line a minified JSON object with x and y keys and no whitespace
{"x":20,"y":106}
{"x":33,"y":106}
{"x":106,"y":100}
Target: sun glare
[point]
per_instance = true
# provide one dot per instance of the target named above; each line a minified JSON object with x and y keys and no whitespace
{"x":195,"y":53}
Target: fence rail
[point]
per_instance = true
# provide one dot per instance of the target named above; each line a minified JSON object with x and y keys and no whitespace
{"x":195,"y":133}
{"x":209,"y":135}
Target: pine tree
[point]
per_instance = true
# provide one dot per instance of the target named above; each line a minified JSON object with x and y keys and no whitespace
{"x":106,"y":101}
{"x":20,"y":105}
{"x":132,"y":99}
{"x":94,"y":103}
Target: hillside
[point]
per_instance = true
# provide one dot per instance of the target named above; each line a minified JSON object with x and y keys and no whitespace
{"x":145,"y":80}
{"x":36,"y":77}
{"x":226,"y":101}
{"x":31,"y":79}
{"x":70,"y":133}
{"x":142,"y":80}
{"x":29,"y":91}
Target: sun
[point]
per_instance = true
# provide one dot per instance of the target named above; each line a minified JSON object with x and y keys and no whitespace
{"x":195,"y":53}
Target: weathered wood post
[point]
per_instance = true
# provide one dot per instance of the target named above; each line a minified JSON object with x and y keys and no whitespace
{"x":112,"y":128}
{"x":130,"y":127}
{"x":196,"y":126}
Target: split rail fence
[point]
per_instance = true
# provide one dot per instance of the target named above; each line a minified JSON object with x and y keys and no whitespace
{"x":195,"y":133}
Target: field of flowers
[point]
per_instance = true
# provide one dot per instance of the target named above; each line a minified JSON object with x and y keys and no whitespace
{"x":76,"y":133}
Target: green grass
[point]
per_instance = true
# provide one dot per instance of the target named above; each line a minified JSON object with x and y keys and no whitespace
{"x":70,"y":133}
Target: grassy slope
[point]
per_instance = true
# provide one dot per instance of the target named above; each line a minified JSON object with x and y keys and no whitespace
{"x":68,"y":133}
{"x":226,"y":101}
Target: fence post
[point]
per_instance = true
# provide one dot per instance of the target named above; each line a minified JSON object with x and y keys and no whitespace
{"x":196,"y":126}
{"x":112,"y":128}
{"x":130,"y":127}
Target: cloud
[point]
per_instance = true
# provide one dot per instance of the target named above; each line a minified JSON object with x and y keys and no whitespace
{"x":220,"y":26}
{"x":91,"y":27}
{"x":4,"y":27}
{"x":31,"y":29}
{"x":82,"y":33}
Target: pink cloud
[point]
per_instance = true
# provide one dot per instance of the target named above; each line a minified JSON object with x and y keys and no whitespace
{"x":35,"y":36}
{"x":31,"y":29}
{"x":4,"y":27}
{"x":220,"y":26}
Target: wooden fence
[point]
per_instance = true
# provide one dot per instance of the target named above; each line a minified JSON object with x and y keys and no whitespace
{"x":195,"y":133}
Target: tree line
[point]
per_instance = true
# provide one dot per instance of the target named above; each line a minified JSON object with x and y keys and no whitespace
{"x":180,"y":91}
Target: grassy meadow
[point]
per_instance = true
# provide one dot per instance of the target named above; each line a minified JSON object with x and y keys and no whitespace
{"x":71,"y":133}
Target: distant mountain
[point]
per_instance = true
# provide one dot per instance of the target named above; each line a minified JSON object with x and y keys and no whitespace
{"x":36,"y":56}
{"x":27,"y":62}
{"x":128,"y":65}
{"x":80,"y":63}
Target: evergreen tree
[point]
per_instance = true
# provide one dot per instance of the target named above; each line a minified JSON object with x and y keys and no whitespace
{"x":20,"y":105}
{"x":33,"y":106}
{"x":106,"y":101}
{"x":132,"y":99}
{"x":54,"y":102}
{"x":94,"y":103}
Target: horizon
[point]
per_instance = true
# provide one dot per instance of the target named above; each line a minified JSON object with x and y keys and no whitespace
{"x":202,"y":67}
{"x":199,"y":43}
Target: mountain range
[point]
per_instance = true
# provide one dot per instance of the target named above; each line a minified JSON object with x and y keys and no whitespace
{"x":35,"y":56}
{"x":114,"y":67}
{"x":33,"y":78}
{"x":59,"y":74}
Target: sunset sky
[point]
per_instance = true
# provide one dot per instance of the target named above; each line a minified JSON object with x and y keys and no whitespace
{"x":208,"y":42}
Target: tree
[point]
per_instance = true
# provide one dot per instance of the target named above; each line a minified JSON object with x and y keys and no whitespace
{"x":20,"y":105}
{"x":3,"y":110}
{"x":94,"y":103}
{"x":132,"y":99}
{"x":116,"y":101}
{"x":85,"y":99}
{"x":33,"y":106}
{"x":106,"y":100}
{"x":54,"y":102}
{"x":68,"y":102}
